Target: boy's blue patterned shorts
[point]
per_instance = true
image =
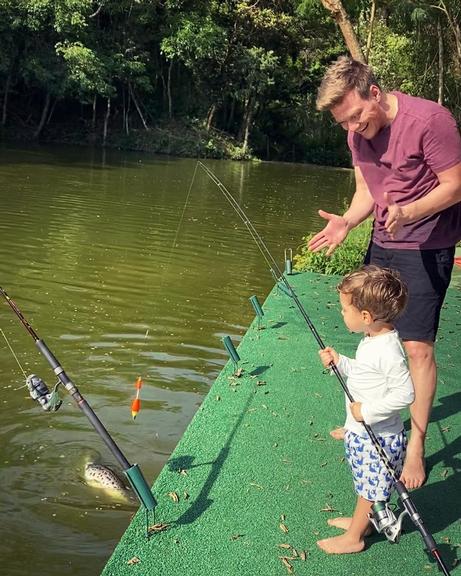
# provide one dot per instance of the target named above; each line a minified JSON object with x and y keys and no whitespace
{"x":372,"y":480}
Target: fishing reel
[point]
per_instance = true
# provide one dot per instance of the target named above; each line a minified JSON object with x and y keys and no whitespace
{"x":38,"y":390}
{"x":386,"y":522}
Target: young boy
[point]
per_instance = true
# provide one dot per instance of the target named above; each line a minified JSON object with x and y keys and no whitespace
{"x":380,"y":383}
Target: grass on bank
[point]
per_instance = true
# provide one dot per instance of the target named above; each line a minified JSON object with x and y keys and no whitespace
{"x":348,"y":256}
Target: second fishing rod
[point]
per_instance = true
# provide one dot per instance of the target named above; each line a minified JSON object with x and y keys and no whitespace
{"x":383,"y":519}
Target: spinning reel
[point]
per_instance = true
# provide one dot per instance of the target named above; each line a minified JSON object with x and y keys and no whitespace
{"x":38,"y":390}
{"x":386,"y":522}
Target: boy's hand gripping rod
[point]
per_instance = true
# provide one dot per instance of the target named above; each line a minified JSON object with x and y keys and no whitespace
{"x":286,"y":287}
{"x":132,"y":472}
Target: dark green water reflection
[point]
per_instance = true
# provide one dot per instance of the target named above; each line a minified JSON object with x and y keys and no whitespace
{"x":86,"y":250}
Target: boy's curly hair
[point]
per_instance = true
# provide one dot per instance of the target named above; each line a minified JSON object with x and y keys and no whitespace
{"x":380,"y":291}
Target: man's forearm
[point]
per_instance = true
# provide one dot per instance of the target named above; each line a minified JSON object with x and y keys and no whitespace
{"x":442,"y":197}
{"x":446,"y":194}
{"x":361,"y":207}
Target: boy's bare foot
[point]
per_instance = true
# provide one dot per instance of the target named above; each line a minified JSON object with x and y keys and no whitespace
{"x":414,"y":470}
{"x":343,"y":544}
{"x":338,"y":433}
{"x":344,"y":523}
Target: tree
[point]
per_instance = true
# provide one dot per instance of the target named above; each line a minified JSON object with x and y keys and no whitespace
{"x":340,"y":16}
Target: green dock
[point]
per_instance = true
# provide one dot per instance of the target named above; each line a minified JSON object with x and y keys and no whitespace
{"x":250,"y":486}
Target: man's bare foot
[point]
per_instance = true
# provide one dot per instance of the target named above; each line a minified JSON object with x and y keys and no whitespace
{"x":344,"y":523}
{"x":414,"y":470}
{"x":338,"y":433}
{"x":343,"y":544}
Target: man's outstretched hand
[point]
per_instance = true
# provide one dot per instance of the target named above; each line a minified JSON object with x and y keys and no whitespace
{"x":331,"y":236}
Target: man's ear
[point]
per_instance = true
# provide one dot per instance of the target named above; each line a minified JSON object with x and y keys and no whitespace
{"x":375,"y":92}
{"x":367,"y":317}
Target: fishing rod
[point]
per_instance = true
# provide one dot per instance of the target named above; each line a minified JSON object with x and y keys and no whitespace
{"x":382,"y":518}
{"x":39,"y":391}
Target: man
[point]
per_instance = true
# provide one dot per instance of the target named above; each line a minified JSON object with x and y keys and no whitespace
{"x":406,"y":153}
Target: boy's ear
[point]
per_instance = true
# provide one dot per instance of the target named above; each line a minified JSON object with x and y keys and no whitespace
{"x":367,"y":317}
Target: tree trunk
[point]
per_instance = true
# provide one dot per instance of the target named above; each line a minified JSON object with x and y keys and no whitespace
{"x":248,"y":121}
{"x":454,"y":26}
{"x":441,"y":67}
{"x":370,"y":28}
{"x":133,"y":97}
{"x":241,"y":130}
{"x":230,"y":119}
{"x":5,"y":98}
{"x":210,"y":116}
{"x":50,"y":115}
{"x":341,"y":18}
{"x":106,"y":122}
{"x":125,"y":111}
{"x":168,"y":89}
{"x":93,"y":118}
{"x":46,"y":107}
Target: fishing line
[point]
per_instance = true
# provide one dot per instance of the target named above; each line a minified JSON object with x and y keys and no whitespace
{"x":178,"y":228}
{"x":383,"y":517}
{"x":135,"y":405}
{"x":183,"y":210}
{"x":236,"y":206}
{"x":17,"y":360}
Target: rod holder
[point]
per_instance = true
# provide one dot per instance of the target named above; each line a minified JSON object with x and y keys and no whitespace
{"x":140,"y":487}
{"x":257,"y":306}
{"x":229,"y":346}
{"x":284,"y":289}
{"x":288,"y":261}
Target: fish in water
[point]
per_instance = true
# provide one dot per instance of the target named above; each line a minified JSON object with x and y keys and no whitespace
{"x":100,"y":476}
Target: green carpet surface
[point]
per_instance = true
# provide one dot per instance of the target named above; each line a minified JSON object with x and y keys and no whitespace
{"x":251,"y":484}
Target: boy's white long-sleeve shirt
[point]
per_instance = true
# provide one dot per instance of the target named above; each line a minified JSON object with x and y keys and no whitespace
{"x":379,"y":378}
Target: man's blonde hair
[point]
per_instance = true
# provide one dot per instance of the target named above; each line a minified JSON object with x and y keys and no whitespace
{"x":380,"y":291}
{"x":344,"y":75}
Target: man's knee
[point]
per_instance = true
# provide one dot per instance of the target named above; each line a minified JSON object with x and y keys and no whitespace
{"x":419,"y":353}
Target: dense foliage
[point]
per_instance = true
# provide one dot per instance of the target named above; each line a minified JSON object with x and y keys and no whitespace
{"x":348,"y":256}
{"x":210,"y":77}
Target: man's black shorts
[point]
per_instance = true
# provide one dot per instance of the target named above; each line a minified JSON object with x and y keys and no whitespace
{"x":427,"y":274}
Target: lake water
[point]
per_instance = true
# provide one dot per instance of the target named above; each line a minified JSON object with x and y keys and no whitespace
{"x":126,"y":265}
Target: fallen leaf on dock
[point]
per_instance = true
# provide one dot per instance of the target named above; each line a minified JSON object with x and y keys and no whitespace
{"x":134,"y":560}
{"x":287,"y":565}
{"x":174,"y":496}
{"x":160,"y":527}
{"x":283,"y":528}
